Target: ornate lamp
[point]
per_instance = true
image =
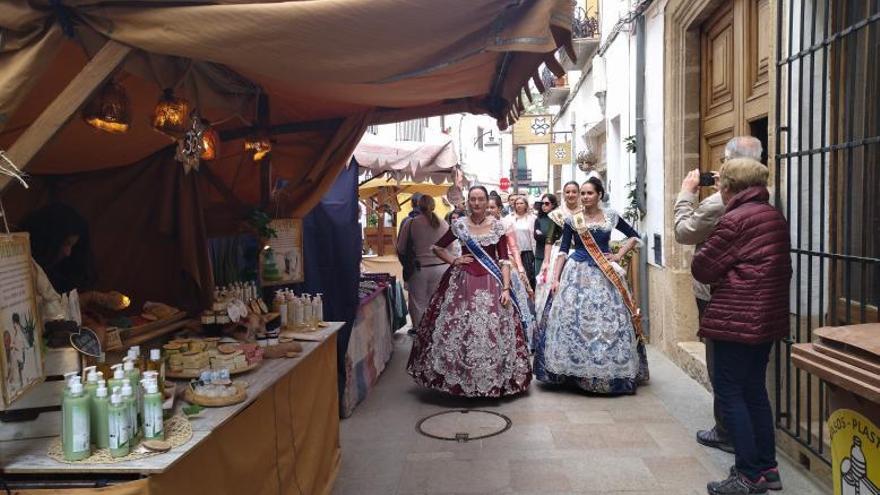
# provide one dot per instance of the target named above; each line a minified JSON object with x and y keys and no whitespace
{"x":171,"y":114}
{"x":108,"y":110}
{"x":259,"y":144}
{"x":210,"y":142}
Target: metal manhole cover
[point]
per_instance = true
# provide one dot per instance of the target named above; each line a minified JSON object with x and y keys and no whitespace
{"x":462,"y":425}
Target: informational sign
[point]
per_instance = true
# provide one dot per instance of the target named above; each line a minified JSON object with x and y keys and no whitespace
{"x":855,"y":453}
{"x":533,"y":129}
{"x":281,"y":261}
{"x":560,"y":153}
{"x":504,"y":183}
{"x":21,"y":353}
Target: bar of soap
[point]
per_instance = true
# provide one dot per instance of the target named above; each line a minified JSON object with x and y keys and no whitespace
{"x":292,"y":354}
{"x":157,"y":445}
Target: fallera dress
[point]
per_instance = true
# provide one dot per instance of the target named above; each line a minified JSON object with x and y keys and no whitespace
{"x":469,"y":344}
{"x":589,"y":340}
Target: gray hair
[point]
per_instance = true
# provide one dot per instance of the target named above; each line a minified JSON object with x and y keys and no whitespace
{"x":743,"y":147}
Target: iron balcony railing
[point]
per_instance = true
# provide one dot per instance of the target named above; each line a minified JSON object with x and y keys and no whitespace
{"x":584,"y":25}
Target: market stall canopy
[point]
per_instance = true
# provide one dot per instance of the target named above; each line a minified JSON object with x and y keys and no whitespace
{"x":312,"y":75}
{"x":403,"y":188}
{"x":416,"y":161}
{"x":329,"y":67}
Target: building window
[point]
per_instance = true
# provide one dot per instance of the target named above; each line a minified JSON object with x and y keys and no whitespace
{"x":412,"y":130}
{"x":373,"y":129}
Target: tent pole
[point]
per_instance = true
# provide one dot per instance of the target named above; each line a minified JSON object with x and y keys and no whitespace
{"x":56,"y":115}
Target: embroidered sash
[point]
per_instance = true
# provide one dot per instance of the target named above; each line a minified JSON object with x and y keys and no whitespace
{"x":613,"y":277}
{"x":489,"y":264}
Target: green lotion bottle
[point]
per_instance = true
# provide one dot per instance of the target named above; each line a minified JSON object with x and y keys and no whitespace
{"x":75,"y":428}
{"x":131,"y":404}
{"x":133,"y":374}
{"x":90,"y":387}
{"x":117,"y":426}
{"x":100,"y":411}
{"x":154,"y":428}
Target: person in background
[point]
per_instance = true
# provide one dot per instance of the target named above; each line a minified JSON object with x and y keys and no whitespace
{"x":519,"y":283}
{"x":746,"y":261}
{"x":693,"y":224}
{"x":570,"y":207}
{"x":422,"y":232}
{"x":454,"y":248}
{"x":547,"y":204}
{"x":511,"y":205}
{"x":521,"y":226}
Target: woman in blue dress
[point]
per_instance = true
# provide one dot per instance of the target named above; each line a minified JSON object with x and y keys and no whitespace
{"x":591,"y":338}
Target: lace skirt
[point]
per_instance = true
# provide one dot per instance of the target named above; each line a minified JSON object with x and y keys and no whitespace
{"x":468,"y":344}
{"x":586,"y":337}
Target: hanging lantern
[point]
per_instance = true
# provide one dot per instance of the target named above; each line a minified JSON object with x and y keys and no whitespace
{"x":210,"y":142}
{"x":190,"y":146}
{"x":108,"y":110}
{"x":259,"y":144}
{"x":171,"y":114}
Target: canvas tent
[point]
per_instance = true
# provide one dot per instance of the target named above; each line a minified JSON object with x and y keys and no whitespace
{"x":433,"y":160}
{"x":319,"y":72}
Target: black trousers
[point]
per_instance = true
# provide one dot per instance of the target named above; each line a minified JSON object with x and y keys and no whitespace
{"x":528,"y":261}
{"x":710,"y":367}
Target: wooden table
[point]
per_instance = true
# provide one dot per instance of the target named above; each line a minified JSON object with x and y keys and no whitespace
{"x":298,"y":390}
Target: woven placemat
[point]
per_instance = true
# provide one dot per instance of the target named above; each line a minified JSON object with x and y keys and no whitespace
{"x":178,"y":431}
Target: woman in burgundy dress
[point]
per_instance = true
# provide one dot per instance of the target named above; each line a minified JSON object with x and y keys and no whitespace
{"x":471,"y":341}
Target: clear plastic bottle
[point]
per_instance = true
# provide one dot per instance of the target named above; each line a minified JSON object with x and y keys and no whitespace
{"x":118,"y":377}
{"x":157,"y":364}
{"x":307,"y":312}
{"x":76,"y":437}
{"x":117,"y":426}
{"x":297,"y":314}
{"x":319,"y":308}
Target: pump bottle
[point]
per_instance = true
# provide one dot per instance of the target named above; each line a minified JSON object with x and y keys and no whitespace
{"x":154,"y":429}
{"x":117,"y":426}
{"x":75,"y":422}
{"x":100,"y":410}
{"x":131,"y":407}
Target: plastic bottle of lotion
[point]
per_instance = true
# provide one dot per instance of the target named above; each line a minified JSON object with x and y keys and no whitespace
{"x":154,"y":428}
{"x":90,"y":387}
{"x":75,"y":416}
{"x":319,"y":308}
{"x":118,"y":378}
{"x":157,"y":364}
{"x":131,"y":406}
{"x":134,"y":379}
{"x":100,"y":410}
{"x":117,"y":426}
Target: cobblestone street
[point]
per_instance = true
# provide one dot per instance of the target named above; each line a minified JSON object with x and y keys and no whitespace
{"x":559,"y":443}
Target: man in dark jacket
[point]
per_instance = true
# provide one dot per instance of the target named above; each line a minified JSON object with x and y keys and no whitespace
{"x":746,"y":261}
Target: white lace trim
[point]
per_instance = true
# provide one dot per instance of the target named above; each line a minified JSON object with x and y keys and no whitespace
{"x":461,"y":231}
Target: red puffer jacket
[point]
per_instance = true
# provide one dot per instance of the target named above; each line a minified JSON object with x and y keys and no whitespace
{"x":747,"y":262}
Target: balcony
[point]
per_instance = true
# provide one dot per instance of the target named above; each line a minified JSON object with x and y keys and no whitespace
{"x":557,"y":88}
{"x":585,"y":39}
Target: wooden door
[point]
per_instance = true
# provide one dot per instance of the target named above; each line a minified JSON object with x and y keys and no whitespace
{"x":735,"y":67}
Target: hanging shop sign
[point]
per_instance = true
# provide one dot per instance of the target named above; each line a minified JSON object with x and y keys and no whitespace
{"x":855,"y":453}
{"x":533,"y":129}
{"x":281,"y":261}
{"x":560,"y":153}
{"x":21,"y":352}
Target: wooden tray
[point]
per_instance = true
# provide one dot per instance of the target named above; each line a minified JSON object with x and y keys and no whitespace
{"x":192,"y":398}
{"x":184,"y":375}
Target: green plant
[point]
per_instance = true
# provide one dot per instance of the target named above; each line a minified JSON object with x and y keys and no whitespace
{"x":632,"y":213}
{"x":631,"y":144}
{"x":259,"y":220}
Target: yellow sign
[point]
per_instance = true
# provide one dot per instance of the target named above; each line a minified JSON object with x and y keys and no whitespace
{"x":855,"y":453}
{"x":533,"y":129}
{"x":560,"y":153}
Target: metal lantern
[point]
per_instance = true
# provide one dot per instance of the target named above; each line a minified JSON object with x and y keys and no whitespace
{"x":108,"y":110}
{"x":260,"y":145}
{"x":210,"y":142}
{"x":171,"y":115}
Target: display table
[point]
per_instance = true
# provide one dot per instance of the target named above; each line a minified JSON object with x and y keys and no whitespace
{"x":369,"y":349}
{"x":283,"y":439}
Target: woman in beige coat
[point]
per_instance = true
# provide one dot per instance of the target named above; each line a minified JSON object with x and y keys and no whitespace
{"x":423,"y":232}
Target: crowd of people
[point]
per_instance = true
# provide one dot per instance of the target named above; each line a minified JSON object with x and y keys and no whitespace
{"x":500,"y":295}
